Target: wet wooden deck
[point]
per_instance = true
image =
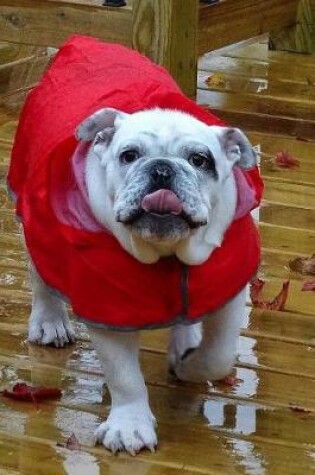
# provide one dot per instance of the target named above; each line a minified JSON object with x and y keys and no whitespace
{"x":251,"y":428}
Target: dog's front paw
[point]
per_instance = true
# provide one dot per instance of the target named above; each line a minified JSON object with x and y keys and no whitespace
{"x":128,"y":428}
{"x":50,"y":330}
{"x":184,"y":340}
{"x":198,"y":367}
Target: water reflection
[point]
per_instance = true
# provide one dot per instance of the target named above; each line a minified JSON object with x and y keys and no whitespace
{"x":79,"y":463}
{"x":40,"y":427}
{"x":241,"y":420}
{"x":252,"y":462}
{"x":247,"y":350}
{"x":85,"y":463}
{"x":232,"y":415}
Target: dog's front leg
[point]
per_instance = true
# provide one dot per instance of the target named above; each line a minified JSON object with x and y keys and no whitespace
{"x":213,"y":359}
{"x":49,"y":322}
{"x":130,"y":424}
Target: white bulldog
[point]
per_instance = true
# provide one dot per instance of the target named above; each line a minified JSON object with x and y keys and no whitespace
{"x":162,"y":183}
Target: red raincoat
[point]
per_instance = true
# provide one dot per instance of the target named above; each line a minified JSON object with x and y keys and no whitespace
{"x":104,"y":284}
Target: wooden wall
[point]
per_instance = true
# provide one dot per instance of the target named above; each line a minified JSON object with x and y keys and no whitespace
{"x":172,"y":33}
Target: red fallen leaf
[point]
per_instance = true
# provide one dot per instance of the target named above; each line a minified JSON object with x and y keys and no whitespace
{"x":284,"y":160}
{"x":304,"y":265}
{"x":308,"y":286}
{"x":277,"y":303}
{"x":71,"y":443}
{"x":256,"y":286}
{"x":230,"y":380}
{"x":24,"y":392}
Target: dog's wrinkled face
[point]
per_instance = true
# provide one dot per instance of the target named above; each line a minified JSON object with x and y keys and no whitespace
{"x":162,"y":170}
{"x":165,"y":175}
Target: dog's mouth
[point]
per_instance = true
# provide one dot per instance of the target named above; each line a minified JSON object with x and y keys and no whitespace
{"x":162,"y":205}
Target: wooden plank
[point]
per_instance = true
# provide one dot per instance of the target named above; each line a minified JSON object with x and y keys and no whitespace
{"x":230,"y":455}
{"x":288,"y":239}
{"x":297,"y":302}
{"x":77,"y":372}
{"x":260,"y":73}
{"x":20,"y":77}
{"x":234,"y":66}
{"x":231,"y":420}
{"x":261,"y":104}
{"x":228,"y":22}
{"x":241,"y":83}
{"x":271,"y":385}
{"x":255,"y":351}
{"x":51,"y":22}
{"x":15,"y":279}
{"x":300,"y":148}
{"x":6,"y":118}
{"x":261,"y":386}
{"x":7,"y":52}
{"x":280,"y":214}
{"x":274,"y":325}
{"x":258,"y":53}
{"x":261,"y":351}
{"x":227,"y":455}
{"x":300,"y":37}
{"x":10,"y":52}
{"x":249,"y":118}
{"x":39,"y":455}
{"x":287,"y":326}
{"x":275,"y":264}
{"x":293,"y":193}
{"x":8,"y":223}
{"x":7,"y":130}
{"x":166,"y":32}
{"x":261,"y":348}
{"x":257,"y":121}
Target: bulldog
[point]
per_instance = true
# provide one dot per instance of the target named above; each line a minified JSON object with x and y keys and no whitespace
{"x":141,"y":219}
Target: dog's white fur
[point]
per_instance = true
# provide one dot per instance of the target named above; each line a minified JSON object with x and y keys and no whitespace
{"x":130,"y":425}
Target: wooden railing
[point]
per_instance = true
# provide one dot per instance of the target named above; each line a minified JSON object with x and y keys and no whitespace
{"x":171,"y":32}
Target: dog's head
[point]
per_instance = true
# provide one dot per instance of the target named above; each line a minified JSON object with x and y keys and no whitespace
{"x":162,"y":171}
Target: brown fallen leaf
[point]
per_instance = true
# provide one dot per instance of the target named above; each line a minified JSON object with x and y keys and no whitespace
{"x":303,"y":139}
{"x":71,"y":443}
{"x":297,"y":408}
{"x":309,"y":286}
{"x":215,"y":80}
{"x":228,"y":381}
{"x":304,"y":265}
{"x":284,"y":160}
{"x":277,"y":303}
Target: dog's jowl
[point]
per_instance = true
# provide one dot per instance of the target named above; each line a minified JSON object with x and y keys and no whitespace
{"x":135,"y":205}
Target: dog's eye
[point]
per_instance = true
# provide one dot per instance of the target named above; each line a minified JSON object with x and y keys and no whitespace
{"x":129,"y":156}
{"x":198,"y":160}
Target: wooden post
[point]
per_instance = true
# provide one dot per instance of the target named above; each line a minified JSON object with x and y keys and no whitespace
{"x":166,"y":32}
{"x":299,"y":37}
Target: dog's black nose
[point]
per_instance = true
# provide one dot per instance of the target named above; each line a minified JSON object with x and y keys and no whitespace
{"x":161,"y":173}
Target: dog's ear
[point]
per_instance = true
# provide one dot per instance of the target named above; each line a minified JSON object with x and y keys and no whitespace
{"x":237,"y":147}
{"x":102,"y":121}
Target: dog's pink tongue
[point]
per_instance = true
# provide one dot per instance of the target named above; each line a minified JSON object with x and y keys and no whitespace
{"x":162,"y":202}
